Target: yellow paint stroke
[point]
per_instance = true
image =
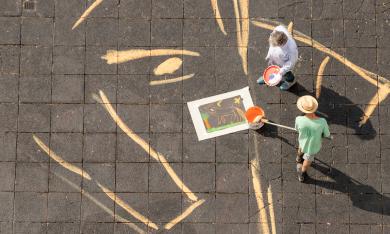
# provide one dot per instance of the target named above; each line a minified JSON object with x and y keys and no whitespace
{"x":169,"y":66}
{"x":115,"y":56}
{"x":217,"y":14}
{"x":173,"y":80}
{"x":145,"y":146}
{"x":271,"y":210}
{"x":127,"y":207}
{"x":242,"y":24}
{"x":380,"y":95}
{"x":187,"y":212}
{"x":98,"y":203}
{"x":259,"y":197}
{"x":320,"y":75}
{"x":383,"y":84}
{"x":87,"y":12}
{"x":290,"y":27}
{"x":60,"y":160}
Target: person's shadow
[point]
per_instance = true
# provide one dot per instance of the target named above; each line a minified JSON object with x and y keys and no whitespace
{"x":363,"y":196}
{"x":339,"y":110}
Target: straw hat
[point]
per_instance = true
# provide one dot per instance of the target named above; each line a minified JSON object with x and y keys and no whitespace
{"x":307,"y":104}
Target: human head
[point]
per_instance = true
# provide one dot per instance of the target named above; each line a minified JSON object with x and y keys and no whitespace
{"x":307,"y":104}
{"x":278,"y":38}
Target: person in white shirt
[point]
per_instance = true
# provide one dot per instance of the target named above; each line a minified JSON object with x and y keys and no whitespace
{"x":282,"y":52}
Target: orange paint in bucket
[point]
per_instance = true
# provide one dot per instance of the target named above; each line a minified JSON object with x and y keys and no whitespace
{"x":253,"y":112}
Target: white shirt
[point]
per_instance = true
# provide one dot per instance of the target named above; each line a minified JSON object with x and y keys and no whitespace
{"x":285,"y":56}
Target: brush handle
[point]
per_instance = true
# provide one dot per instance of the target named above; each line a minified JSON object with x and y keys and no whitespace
{"x":266,"y":121}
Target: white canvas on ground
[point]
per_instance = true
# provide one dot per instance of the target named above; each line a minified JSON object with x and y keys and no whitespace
{"x":220,"y":114}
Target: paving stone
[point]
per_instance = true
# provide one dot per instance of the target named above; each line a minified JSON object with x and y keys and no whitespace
{"x":91,"y":212}
{"x":333,"y":228}
{"x":138,"y":172}
{"x":28,"y":150}
{"x":168,"y":144}
{"x":199,"y":32}
{"x":139,"y":66}
{"x":7,"y":173}
{"x":328,"y":9}
{"x":68,"y":60}
{"x":331,"y":208}
{"x":362,"y":150}
{"x":163,"y":207}
{"x":137,"y":201}
{"x":67,"y":88}
{"x":94,"y":64}
{"x":105,"y":83}
{"x":188,"y":126}
{"x":64,"y":207}
{"x":382,"y":28}
{"x":104,"y":173}
{"x":30,"y":206}
{"x":131,"y":114}
{"x":135,"y":9}
{"x":30,"y":227}
{"x":255,"y":212}
{"x":166,"y":32}
{"x":160,"y":180}
{"x":192,"y":148}
{"x":193,"y":228}
{"x":258,"y":9}
{"x":268,"y":148}
{"x":31,"y":177}
{"x":8,"y":144}
{"x":384,"y":114}
{"x":231,"y":208}
{"x":11,"y":64}
{"x":102,"y":31}
{"x":199,"y":9}
{"x":362,"y":10}
{"x":166,"y":117}
{"x":130,"y":151}
{"x":232,"y":148}
{"x":133,"y":89}
{"x":229,"y":82}
{"x":226,"y":60}
{"x":29,"y":64}
{"x":10,"y":8}
{"x":366,"y":208}
{"x":107,"y":9}
{"x":200,"y":177}
{"x":329,"y":32}
{"x":71,"y":228}
{"x":68,"y":146}
{"x":96,"y":119}
{"x":232,"y":178}
{"x":123,"y":228}
{"x":6,"y":227}
{"x":334,"y":67}
{"x":69,"y":8}
{"x":11,"y":30}
{"x":133,"y":32}
{"x":99,"y":147}
{"x":231,"y":228}
{"x":163,"y":94}
{"x":199,"y":65}
{"x":8,"y":88}
{"x":63,"y":33}
{"x":42,"y":10}
{"x":292,"y":9}
{"x":298,"y":208}
{"x":63,"y":180}
{"x":35,"y":88}
{"x":34,"y":118}
{"x":67,"y":118}
{"x":360,"y":33}
{"x":37,"y":31}
{"x":90,"y":228}
{"x":167,"y":9}
{"x":204,"y":213}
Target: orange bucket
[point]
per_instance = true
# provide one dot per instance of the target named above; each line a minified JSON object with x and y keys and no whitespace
{"x":253,"y":112}
{"x":269,"y":75}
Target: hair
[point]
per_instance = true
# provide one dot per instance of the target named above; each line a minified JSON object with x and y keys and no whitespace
{"x":278,"y":38}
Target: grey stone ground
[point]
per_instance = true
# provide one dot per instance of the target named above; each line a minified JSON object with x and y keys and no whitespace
{"x":48,"y":74}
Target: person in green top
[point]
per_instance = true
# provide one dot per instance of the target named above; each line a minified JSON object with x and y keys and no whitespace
{"x":311,"y":129}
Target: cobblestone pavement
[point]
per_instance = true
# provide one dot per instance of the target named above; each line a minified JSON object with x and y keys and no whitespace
{"x":98,"y":179}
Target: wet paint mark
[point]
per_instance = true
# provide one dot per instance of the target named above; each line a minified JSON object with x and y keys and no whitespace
{"x":86,"y":13}
{"x":173,"y":80}
{"x":371,"y":77}
{"x":145,"y":146}
{"x":271,"y":210}
{"x":380,"y":95}
{"x":217,"y":14}
{"x":187,"y":212}
{"x":115,"y":56}
{"x":169,"y":66}
{"x":127,"y":207}
{"x":320,"y":76}
{"x":290,"y":27}
{"x":241,"y":10}
{"x":60,"y":160}
{"x":99,"y":204}
{"x":259,"y":197}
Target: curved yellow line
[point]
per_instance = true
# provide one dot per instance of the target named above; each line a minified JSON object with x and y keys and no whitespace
{"x":86,"y":13}
{"x":145,"y":146}
{"x":320,"y":76}
{"x":242,"y":31}
{"x":115,"y":56}
{"x":187,"y":212}
{"x":60,"y":160}
{"x":217,"y":14}
{"x":173,"y":80}
{"x":126,"y":207}
{"x":271,"y":210}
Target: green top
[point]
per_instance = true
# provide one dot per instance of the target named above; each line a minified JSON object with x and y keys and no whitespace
{"x":311,"y":132}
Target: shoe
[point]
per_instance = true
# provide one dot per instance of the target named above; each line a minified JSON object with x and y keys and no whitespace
{"x":299,"y":158}
{"x":260,"y":81}
{"x":301,"y":175}
{"x":287,"y":85}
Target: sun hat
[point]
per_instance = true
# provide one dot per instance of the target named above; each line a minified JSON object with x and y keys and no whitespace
{"x":307,"y":104}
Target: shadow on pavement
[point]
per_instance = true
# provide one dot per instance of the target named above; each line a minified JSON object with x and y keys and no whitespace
{"x":363,"y":196}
